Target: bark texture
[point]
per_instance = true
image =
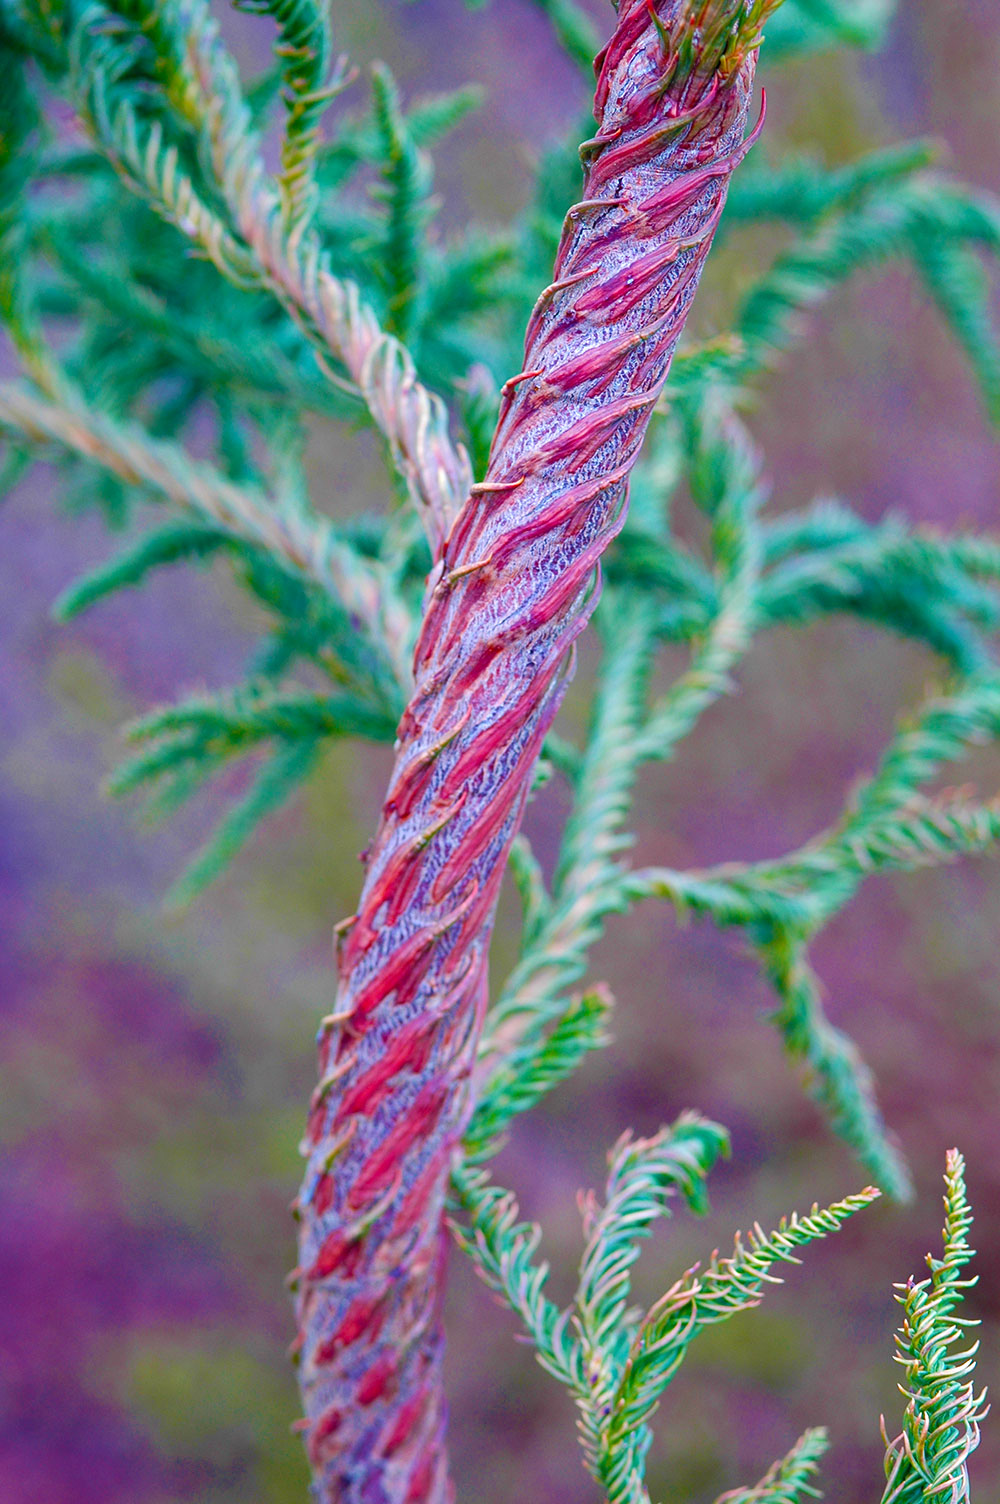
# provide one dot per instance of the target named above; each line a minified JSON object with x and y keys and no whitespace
{"x":515,"y":586}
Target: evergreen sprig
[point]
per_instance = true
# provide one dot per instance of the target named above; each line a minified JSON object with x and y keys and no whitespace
{"x":183,"y":745}
{"x":702,"y":1297}
{"x":220,"y":726}
{"x":928,"y":1460}
{"x":789,"y":1480}
{"x":643,"y":1175}
{"x":503,"y":1251}
{"x":529,"y":1074}
{"x":273,"y":785}
{"x":407,"y":179}
{"x":304,"y":48}
{"x":617,"y":1362}
{"x":169,"y":544}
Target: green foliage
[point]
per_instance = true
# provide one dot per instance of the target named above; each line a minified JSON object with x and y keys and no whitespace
{"x":182,"y":319}
{"x":218,"y":727}
{"x":406,"y":174}
{"x":889,"y":825}
{"x":304,"y":49}
{"x":835,"y":1074}
{"x":503,"y":1250}
{"x":890,"y":204}
{"x":700,"y":1298}
{"x":790,"y":1479}
{"x":532,"y":1071}
{"x":811,"y":25}
{"x":927,"y":1460}
{"x":164,"y":545}
{"x":185,"y":744}
{"x":616,"y":1361}
{"x":643,"y":1174}
{"x":272,"y":787}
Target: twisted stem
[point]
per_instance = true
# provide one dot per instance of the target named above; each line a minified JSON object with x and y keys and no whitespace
{"x":515,"y":586}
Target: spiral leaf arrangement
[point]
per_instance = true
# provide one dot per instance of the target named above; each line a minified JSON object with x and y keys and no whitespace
{"x":514,"y":588}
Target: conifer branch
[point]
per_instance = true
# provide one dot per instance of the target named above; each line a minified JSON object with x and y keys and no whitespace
{"x":834,"y":1072}
{"x":212,"y":728}
{"x":615,"y":1427}
{"x":889,"y":826}
{"x":531,"y":1070}
{"x":726,"y":482}
{"x":309,"y":82}
{"x":305,"y":545}
{"x":273,"y":785}
{"x":791,"y":1479}
{"x":163,"y":545}
{"x":261,"y":366}
{"x":503,"y":1251}
{"x":928,"y":1460}
{"x":617,"y":1362}
{"x":407,"y":182}
{"x":643,"y":1175}
{"x":887,"y":205}
{"x":201,"y":80}
{"x":700,"y":1298}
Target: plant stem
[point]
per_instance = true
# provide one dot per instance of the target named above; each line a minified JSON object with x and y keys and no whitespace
{"x":515,"y":587}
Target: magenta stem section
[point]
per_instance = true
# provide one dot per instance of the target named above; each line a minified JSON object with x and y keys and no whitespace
{"x":516,"y":585}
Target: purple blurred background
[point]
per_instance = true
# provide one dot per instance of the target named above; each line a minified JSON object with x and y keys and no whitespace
{"x":154,"y":1070}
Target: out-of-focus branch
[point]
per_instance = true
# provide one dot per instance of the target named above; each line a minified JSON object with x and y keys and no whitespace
{"x":202,"y":83}
{"x":307,"y":544}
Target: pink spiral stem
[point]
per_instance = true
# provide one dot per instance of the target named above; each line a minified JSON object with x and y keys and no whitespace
{"x":515,"y":586}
